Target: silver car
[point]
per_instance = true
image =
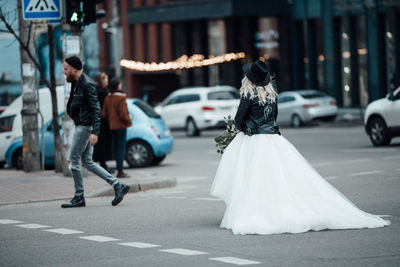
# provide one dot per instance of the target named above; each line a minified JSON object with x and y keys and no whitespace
{"x":300,"y":107}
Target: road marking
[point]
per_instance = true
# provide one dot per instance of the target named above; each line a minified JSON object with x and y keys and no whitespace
{"x":139,"y":245}
{"x":176,"y":197}
{"x":207,"y":199}
{"x":64,"y":231}
{"x":331,"y":177}
{"x":233,"y":260}
{"x":6,"y":221}
{"x":366,"y":173}
{"x":391,"y":157}
{"x":185,"y":252}
{"x":99,"y":238}
{"x":33,"y":226}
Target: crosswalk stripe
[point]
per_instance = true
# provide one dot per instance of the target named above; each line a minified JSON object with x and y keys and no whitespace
{"x":63,"y":231}
{"x":139,"y":245}
{"x":6,"y":221}
{"x":185,"y":252}
{"x":233,"y":260}
{"x":32,"y":226}
{"x":99,"y":238}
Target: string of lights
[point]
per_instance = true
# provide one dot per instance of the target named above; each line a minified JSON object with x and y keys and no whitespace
{"x":183,"y":62}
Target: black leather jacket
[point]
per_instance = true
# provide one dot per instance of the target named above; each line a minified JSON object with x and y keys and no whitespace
{"x":253,"y":118}
{"x":83,"y":105}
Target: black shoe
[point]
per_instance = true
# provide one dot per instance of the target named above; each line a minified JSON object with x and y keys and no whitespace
{"x":75,"y":202}
{"x":120,"y":191}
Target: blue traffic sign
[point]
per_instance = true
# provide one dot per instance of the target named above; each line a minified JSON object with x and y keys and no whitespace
{"x":42,"y":9}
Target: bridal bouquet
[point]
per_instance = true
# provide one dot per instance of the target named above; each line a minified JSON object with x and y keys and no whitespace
{"x":223,"y":140}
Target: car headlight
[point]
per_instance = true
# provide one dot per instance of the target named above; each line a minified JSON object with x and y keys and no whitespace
{"x":167,"y":133}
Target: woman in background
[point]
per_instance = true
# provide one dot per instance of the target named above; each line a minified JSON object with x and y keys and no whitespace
{"x":116,"y":112}
{"x":101,"y":152}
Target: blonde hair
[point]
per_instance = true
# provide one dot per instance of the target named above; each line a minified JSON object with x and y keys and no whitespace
{"x":264,"y":93}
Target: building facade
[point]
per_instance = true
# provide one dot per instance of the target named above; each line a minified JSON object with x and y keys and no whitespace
{"x":348,"y":48}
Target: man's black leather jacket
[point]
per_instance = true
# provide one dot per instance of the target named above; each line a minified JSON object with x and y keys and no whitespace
{"x":253,"y":118}
{"x":83,"y":105}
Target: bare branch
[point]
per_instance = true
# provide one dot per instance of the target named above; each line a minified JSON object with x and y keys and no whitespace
{"x":26,"y":49}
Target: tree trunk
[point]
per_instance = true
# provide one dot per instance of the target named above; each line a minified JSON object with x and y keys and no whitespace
{"x":31,"y":153}
{"x":53,"y":91}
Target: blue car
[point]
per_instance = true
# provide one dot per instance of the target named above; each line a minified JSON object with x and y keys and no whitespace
{"x":148,"y":140}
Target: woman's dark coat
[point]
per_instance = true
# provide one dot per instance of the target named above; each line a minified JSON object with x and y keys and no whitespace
{"x":103,"y":149}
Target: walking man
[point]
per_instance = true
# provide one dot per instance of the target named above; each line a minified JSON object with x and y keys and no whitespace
{"x":84,"y":109}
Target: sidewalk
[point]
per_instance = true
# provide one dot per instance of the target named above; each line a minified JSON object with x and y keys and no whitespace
{"x":19,"y":187}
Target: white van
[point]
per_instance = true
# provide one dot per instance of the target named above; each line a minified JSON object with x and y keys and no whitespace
{"x":11,"y":121}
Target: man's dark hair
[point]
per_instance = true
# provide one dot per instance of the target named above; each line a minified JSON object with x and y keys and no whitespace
{"x":113,"y":84}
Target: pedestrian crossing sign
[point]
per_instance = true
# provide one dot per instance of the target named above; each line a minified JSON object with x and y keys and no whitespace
{"x":42,"y":9}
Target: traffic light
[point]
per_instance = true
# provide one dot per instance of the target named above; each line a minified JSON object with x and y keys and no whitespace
{"x":90,"y":13}
{"x":73,"y":12}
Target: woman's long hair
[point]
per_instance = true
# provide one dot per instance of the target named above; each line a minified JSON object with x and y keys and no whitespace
{"x":264,"y":93}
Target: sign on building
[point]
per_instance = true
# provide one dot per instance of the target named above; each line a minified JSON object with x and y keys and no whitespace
{"x":42,"y":9}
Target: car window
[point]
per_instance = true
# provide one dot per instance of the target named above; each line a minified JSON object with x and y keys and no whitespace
{"x":147,"y":109}
{"x":173,"y":100}
{"x":6,"y":123}
{"x":285,"y":99}
{"x":310,"y":95}
{"x":188,"y":98}
{"x":223,"y":95}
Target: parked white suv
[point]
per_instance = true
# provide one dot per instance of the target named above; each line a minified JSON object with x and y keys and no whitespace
{"x":198,"y":108}
{"x":382,"y":119}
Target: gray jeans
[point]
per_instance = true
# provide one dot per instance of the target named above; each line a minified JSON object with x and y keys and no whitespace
{"x":81,"y":149}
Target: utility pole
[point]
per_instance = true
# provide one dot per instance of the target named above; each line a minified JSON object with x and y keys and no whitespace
{"x":29,"y":112}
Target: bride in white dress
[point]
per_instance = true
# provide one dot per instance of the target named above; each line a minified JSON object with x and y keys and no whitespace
{"x":267,"y":185}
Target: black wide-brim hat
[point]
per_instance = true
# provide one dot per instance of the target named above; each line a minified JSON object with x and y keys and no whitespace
{"x":257,"y":72}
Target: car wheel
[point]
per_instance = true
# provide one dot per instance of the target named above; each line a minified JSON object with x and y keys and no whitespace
{"x":191,"y":128}
{"x":378,"y":132}
{"x":296,"y":121}
{"x":18,"y":159}
{"x":139,"y":154}
{"x":157,"y":160}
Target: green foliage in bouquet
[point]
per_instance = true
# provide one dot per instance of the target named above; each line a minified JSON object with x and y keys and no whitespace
{"x":223,"y":140}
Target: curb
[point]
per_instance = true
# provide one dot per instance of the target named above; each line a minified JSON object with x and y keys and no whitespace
{"x":108,"y":191}
{"x":135,"y":187}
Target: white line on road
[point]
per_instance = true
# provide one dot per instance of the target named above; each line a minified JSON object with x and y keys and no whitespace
{"x":366,"y":173}
{"x":331,"y":177}
{"x":322,"y":164}
{"x":64,"y":231}
{"x":139,"y":245}
{"x":99,"y":238}
{"x":185,"y":252}
{"x":207,"y":199}
{"x":233,"y":260}
{"x":176,"y":197}
{"x":33,"y":226}
{"x":6,"y":221}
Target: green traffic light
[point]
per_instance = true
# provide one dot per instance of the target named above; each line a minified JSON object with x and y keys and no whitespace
{"x":74,"y":17}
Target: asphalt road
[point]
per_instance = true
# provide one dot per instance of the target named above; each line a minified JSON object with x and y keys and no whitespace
{"x":179,"y":226}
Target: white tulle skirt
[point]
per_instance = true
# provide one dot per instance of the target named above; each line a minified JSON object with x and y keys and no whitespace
{"x":269,"y":188}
